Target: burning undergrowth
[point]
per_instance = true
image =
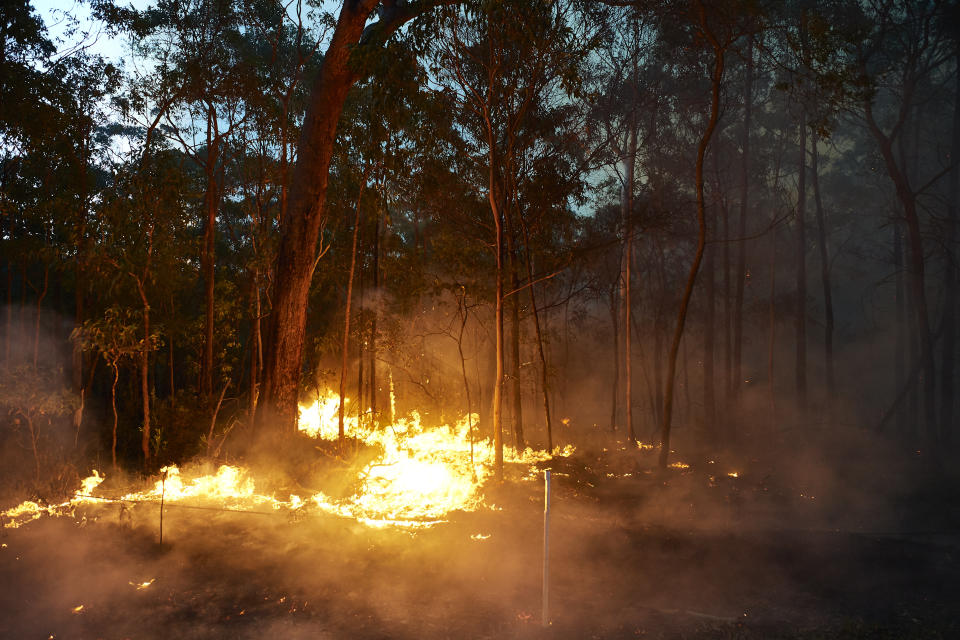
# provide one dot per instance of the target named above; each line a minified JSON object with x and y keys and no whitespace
{"x":407,"y":475}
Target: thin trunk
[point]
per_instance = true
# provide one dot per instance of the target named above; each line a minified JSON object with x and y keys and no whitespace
{"x":144,"y":379}
{"x":256,"y":360}
{"x":627,"y":221}
{"x":515,"y":332}
{"x":915,"y":269}
{"x":113,"y":406}
{"x":36,"y":326}
{"x":498,"y":384}
{"x":615,"y":387}
{"x":801,"y":310}
{"x":771,"y":346}
{"x":375,"y":311}
{"x":544,"y":372}
{"x":709,"y":399}
{"x":901,"y":322}
{"x":208,"y":257}
{"x":950,"y":277}
{"x":736,"y":375}
{"x":824,"y":276}
{"x":701,"y":238}
{"x":346,"y":315}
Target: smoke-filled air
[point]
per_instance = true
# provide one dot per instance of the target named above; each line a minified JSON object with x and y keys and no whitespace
{"x":535,"y":319}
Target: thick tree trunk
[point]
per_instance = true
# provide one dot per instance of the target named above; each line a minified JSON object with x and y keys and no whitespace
{"x":306,"y":210}
{"x":717,"y":80}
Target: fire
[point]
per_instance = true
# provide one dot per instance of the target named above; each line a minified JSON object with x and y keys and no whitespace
{"x":418,"y":477}
{"x":421,"y":474}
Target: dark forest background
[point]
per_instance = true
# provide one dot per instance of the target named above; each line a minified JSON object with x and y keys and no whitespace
{"x":717,"y":221}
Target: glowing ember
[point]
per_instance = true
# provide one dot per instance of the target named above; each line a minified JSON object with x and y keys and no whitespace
{"x":679,"y":465}
{"x":734,"y":474}
{"x":480,"y":536}
{"x":643,"y":446}
{"x":78,"y":609}
{"x":140,"y":586}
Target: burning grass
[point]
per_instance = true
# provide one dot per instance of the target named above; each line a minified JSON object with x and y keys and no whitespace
{"x":415,"y":477}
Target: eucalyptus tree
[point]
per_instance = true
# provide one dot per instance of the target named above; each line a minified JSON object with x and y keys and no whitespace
{"x":899,"y":61}
{"x":201,"y":74}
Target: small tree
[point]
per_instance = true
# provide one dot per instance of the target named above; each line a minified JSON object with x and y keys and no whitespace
{"x":115,"y":336}
{"x":34,"y":395}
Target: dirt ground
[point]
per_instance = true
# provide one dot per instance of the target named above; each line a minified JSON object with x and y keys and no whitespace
{"x":851,"y":545}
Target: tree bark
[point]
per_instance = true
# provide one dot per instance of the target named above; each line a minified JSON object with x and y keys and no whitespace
{"x":306,"y":210}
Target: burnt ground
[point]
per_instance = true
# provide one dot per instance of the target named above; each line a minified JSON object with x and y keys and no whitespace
{"x":871,"y":549}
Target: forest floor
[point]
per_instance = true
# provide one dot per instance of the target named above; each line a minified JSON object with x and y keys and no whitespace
{"x":801,"y":544}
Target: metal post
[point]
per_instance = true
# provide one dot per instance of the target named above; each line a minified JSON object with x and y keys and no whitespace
{"x":546,"y":548}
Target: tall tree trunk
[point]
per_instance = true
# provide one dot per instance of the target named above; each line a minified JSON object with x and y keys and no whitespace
{"x":256,"y":353}
{"x":498,"y":322}
{"x":145,"y":382}
{"x":915,"y":268}
{"x":544,"y":372}
{"x":772,"y":344}
{"x":900,"y":309}
{"x":36,"y":327}
{"x":800,"y":318}
{"x":208,"y":258}
{"x":709,"y":399}
{"x":717,"y":80}
{"x":113,"y":407}
{"x":515,"y":331}
{"x":615,"y":387}
{"x":345,"y":351}
{"x":736,"y":375}
{"x":824,"y":276}
{"x":306,"y":210}
{"x":372,"y":350}
{"x":626,"y":203}
{"x":950,"y":276}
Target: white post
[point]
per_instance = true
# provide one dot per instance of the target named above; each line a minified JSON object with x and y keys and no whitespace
{"x":546,"y":548}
